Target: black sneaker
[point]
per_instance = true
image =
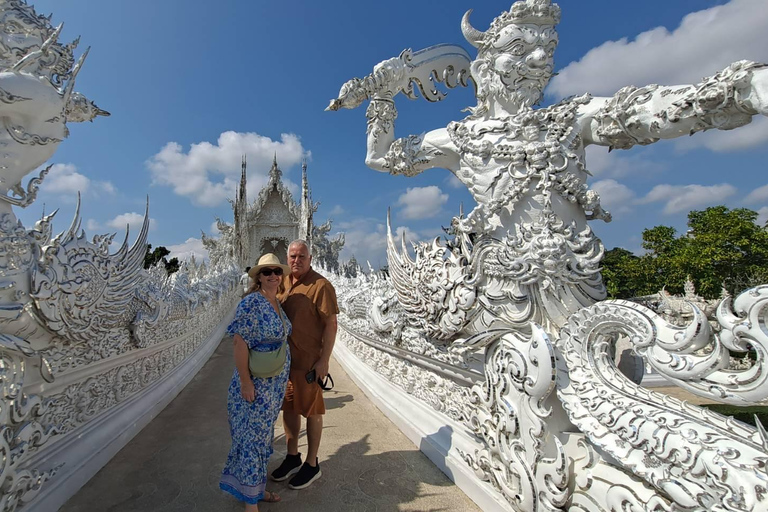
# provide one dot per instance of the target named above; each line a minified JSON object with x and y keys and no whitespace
{"x":290,"y":466}
{"x":307,"y":474}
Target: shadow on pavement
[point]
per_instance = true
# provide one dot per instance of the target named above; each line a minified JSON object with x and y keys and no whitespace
{"x":338,"y":401}
{"x":356,"y":478}
{"x":175,"y":463}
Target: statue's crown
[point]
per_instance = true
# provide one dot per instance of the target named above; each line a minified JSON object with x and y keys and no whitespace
{"x":538,"y":12}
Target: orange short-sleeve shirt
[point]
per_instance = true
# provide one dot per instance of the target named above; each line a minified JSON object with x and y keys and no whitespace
{"x":308,"y":303}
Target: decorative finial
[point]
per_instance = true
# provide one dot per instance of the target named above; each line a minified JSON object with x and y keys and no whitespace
{"x":275,"y":172}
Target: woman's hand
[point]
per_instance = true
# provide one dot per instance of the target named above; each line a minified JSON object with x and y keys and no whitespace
{"x":247,"y":390}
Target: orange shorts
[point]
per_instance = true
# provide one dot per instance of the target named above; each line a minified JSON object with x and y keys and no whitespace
{"x":301,"y":397}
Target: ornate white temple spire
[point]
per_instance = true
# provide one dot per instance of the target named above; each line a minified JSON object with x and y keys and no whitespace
{"x":275,"y":172}
{"x":307,"y":207}
{"x":242,"y":194}
{"x":241,"y":219}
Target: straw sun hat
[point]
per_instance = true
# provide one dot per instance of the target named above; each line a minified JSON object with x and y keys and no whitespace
{"x":267,"y":260}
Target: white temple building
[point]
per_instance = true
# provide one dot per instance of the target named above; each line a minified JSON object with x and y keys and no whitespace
{"x":268,"y":224}
{"x":273,"y":220}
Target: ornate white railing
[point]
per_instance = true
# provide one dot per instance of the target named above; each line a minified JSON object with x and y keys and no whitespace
{"x":92,"y":345}
{"x":523,"y":421}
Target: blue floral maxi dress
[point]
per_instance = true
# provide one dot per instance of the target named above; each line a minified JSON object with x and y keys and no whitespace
{"x":251,"y":424}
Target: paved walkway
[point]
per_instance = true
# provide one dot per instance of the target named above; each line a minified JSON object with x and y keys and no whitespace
{"x":173,"y":465}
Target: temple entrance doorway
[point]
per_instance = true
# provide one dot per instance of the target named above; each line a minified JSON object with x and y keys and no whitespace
{"x":277,"y":246}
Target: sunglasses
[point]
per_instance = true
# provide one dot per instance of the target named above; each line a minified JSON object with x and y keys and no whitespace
{"x":269,"y":271}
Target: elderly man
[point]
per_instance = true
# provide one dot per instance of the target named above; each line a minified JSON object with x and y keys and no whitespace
{"x":309,"y":301}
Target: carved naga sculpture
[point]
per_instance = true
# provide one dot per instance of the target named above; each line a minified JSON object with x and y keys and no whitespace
{"x":521,"y":279}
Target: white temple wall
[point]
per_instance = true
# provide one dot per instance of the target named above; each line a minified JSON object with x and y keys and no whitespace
{"x":392,"y":379}
{"x":101,"y":407}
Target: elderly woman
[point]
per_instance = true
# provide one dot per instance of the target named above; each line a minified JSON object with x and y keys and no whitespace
{"x":254,"y":401}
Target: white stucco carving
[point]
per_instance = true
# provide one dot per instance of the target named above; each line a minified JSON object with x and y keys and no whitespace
{"x":325,"y":250}
{"x":501,"y":330}
{"x":82,"y":328}
{"x":37,"y":98}
{"x":511,"y":304}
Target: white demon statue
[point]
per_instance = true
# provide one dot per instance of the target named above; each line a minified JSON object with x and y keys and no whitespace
{"x":521,"y":280}
{"x":526,"y":252}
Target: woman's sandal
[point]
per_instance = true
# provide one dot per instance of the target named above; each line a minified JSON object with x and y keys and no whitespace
{"x":271,"y":497}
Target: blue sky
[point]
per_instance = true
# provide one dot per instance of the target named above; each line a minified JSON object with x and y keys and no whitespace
{"x":193,"y":85}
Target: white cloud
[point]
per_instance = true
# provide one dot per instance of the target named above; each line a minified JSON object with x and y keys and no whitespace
{"x":723,"y":141}
{"x":106,"y":187}
{"x":208,"y":173}
{"x":705,"y":42}
{"x":758,"y":195}
{"x":132,"y":219}
{"x":422,"y":202}
{"x":336,"y":211}
{"x":192,"y":247}
{"x":762,"y":216}
{"x":366,"y":239}
{"x":292,"y":187}
{"x":92,"y":225}
{"x":681,"y":198}
{"x":618,"y":164}
{"x":614,"y":196}
{"x":64,"y":179}
{"x":453,"y":182}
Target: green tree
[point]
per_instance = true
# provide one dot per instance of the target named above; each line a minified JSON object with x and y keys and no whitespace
{"x":172,"y":265}
{"x":158,"y":255}
{"x":721,"y":246}
{"x":619,"y":273}
{"x":724,"y":247}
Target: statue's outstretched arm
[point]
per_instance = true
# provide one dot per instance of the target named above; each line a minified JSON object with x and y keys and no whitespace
{"x":410,"y":155}
{"x":447,"y":64}
{"x":642,"y":115}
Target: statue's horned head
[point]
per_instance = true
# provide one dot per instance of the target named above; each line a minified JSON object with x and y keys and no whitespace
{"x":515,"y":55}
{"x":535,"y":12}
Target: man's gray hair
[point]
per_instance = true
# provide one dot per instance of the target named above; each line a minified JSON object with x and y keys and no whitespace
{"x":299,"y":241}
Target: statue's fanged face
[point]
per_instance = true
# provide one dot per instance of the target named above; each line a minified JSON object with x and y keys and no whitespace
{"x":522,"y":60}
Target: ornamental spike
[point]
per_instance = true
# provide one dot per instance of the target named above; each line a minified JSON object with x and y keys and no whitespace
{"x":471,"y":34}
{"x":71,"y":84}
{"x":71,"y":46}
{"x":35,"y":55}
